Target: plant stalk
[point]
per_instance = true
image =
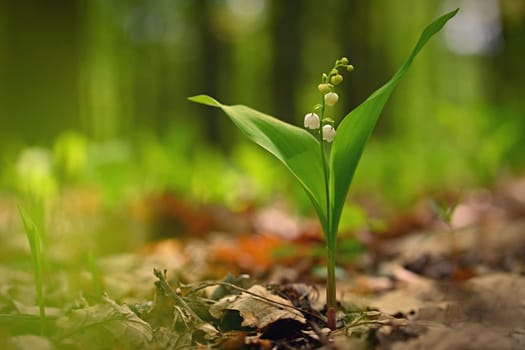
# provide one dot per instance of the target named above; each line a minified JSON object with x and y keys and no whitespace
{"x":331,"y":300}
{"x":330,"y":239}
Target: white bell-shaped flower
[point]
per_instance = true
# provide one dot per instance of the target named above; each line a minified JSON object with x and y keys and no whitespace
{"x":312,"y":121}
{"x":328,"y":133}
{"x":331,"y":98}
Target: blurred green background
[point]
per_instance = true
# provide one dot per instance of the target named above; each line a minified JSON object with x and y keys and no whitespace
{"x":93,"y":92}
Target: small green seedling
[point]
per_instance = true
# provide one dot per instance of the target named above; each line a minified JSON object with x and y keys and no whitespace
{"x":33,"y":236}
{"x":323,"y":160}
{"x":98,"y":289}
{"x":444,"y":211}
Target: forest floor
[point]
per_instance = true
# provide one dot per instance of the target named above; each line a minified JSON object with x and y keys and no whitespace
{"x":254,"y":280}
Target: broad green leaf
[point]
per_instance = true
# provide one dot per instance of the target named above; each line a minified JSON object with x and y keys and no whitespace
{"x":295,"y":147}
{"x":356,"y":127}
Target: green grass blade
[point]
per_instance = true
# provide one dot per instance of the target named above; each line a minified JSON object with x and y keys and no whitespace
{"x":295,"y":147}
{"x":33,"y":236}
{"x":356,"y":127}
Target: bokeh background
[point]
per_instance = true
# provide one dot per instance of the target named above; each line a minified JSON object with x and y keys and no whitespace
{"x":107,"y":171}
{"x":93,"y":93}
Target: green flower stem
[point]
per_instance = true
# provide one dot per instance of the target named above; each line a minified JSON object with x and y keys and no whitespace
{"x":326,"y":226}
{"x":331,"y":301}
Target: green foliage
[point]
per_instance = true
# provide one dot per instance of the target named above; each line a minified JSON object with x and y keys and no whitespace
{"x":70,"y":153}
{"x":353,"y":217}
{"x":33,"y":236}
{"x":33,"y":173}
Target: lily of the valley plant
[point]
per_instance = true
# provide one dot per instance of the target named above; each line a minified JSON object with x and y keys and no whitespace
{"x":324,"y":157}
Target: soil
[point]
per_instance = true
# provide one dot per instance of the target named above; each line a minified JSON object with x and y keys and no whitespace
{"x":254,"y":280}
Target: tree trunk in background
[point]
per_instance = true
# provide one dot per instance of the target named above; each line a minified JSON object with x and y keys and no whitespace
{"x":214,"y":64}
{"x":371,"y":63}
{"x":38,"y":86}
{"x":285,"y":17}
{"x":508,"y":74}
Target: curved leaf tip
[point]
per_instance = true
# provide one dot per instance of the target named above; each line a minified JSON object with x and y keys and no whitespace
{"x":205,"y":100}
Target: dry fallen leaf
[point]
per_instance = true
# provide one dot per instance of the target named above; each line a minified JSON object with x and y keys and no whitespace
{"x":103,"y":326}
{"x":258,"y":307}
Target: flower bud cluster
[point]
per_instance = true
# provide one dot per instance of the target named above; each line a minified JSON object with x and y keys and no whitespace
{"x":330,"y":97}
{"x":331,"y":80}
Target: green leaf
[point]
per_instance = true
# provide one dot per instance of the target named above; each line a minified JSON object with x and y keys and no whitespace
{"x":356,"y":127}
{"x":33,"y":236}
{"x":295,"y":147}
